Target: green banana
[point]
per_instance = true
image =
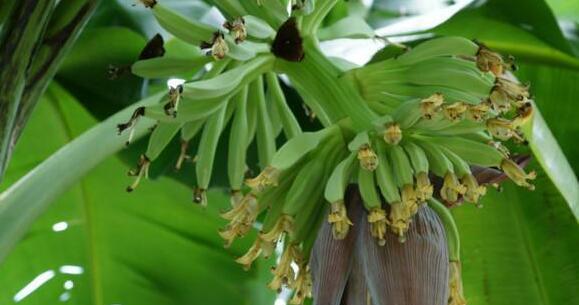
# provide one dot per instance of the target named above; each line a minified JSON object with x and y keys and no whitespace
{"x":407,"y":114}
{"x":385,"y":176}
{"x":439,"y":47}
{"x":265,"y":138}
{"x":311,"y":177}
{"x":185,"y":29}
{"x":190,"y":129}
{"x":231,"y":7}
{"x":339,"y":179}
{"x":308,"y":183}
{"x":229,"y":82}
{"x":237,"y":148}
{"x":160,"y":138}
{"x":367,"y":187}
{"x":203,"y":97}
{"x":258,"y":28}
{"x":206,"y":153}
{"x":289,"y":122}
{"x":164,"y":67}
{"x":437,"y":160}
{"x":473,"y":152}
{"x":417,"y":157}
{"x":298,"y":147}
{"x":461,"y":168}
{"x":401,"y":165}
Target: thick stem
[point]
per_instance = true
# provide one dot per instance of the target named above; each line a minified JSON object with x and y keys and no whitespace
{"x":19,"y":38}
{"x":319,"y":82}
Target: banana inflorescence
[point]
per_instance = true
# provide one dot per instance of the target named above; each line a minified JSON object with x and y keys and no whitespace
{"x":438,"y":110}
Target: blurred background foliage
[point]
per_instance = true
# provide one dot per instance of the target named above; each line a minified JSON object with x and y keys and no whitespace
{"x":99,"y":245}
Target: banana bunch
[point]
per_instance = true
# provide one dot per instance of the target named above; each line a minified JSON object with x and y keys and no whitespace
{"x":239,"y":89}
{"x":434,"y":113}
{"x":394,"y":164}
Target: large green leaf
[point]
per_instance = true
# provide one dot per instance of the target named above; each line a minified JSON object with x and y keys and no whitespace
{"x":521,"y":248}
{"x":99,"y":245}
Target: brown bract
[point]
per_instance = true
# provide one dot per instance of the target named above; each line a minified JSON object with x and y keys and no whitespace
{"x":357,"y":271}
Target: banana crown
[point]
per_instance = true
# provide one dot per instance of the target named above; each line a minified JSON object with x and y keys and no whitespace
{"x":434,"y":115}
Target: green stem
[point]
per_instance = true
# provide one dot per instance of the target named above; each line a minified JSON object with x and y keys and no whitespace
{"x":22,"y":203}
{"x":319,"y":82}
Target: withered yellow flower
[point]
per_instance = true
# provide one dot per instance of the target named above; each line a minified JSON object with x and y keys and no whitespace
{"x":455,"y":285}
{"x":473,"y":190}
{"x":339,"y":220}
{"x":430,"y":105}
{"x":423,"y":188}
{"x":517,"y":174}
{"x":393,"y":134}
{"x":378,"y":222}
{"x":368,"y":158}
{"x":503,"y":129}
{"x":451,"y":188}
{"x":302,"y":285}
{"x":454,"y":111}
{"x":399,"y":220}
{"x":283,"y":273}
{"x":478,"y":112}
{"x":268,"y":177}
{"x":283,"y":225}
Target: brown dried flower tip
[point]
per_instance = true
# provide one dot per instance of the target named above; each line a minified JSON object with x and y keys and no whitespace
{"x":218,"y":47}
{"x":147,"y":3}
{"x":524,"y":114}
{"x":237,"y":28}
{"x":487,"y":60}
{"x":141,"y":171}
{"x":139,"y":112}
{"x":200,"y":196}
{"x":174,"y":97}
